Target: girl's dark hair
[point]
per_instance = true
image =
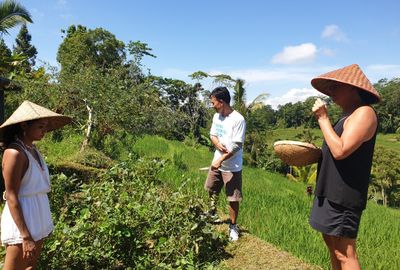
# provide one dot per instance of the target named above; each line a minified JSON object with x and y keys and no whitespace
{"x":10,"y":133}
{"x":221,"y":93}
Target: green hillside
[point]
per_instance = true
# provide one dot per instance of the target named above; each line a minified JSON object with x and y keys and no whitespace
{"x":277,"y":210}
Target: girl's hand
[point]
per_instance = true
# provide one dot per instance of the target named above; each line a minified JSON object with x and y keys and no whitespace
{"x":28,"y":248}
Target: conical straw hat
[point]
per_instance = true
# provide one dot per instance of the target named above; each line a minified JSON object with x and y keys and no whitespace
{"x":351,"y":75}
{"x":296,"y":153}
{"x":28,"y":111}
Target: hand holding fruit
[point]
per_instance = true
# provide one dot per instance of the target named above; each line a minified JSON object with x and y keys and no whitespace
{"x":319,"y":108}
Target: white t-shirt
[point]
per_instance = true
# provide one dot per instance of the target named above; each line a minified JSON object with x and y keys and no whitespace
{"x":229,"y":129}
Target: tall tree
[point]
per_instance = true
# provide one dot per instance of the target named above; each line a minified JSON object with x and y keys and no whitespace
{"x":24,"y":46}
{"x":84,"y":47}
{"x":239,"y":99}
{"x":11,"y":15}
{"x":138,"y":50}
{"x":239,"y":92}
{"x":4,"y":50}
{"x":389,"y":108}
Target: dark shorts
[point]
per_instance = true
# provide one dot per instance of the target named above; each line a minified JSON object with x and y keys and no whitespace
{"x":333,"y":219}
{"x":231,"y":180}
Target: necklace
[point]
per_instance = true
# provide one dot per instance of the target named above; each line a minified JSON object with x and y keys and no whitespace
{"x":25,"y":145}
{"x":32,"y":150}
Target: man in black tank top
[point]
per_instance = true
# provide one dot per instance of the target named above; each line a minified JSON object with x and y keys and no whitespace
{"x":345,"y":166}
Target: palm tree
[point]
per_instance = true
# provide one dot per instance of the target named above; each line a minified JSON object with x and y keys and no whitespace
{"x":239,"y":99}
{"x":11,"y":15}
{"x":239,"y":92}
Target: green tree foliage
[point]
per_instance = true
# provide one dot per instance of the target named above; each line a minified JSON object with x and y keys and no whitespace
{"x":11,"y":15}
{"x":261,"y":119}
{"x":240,"y":102}
{"x":304,"y":174}
{"x":24,"y":46}
{"x":135,"y":67}
{"x":385,"y":184}
{"x":257,"y":153}
{"x":389,"y":107}
{"x":299,"y":113}
{"x":127,"y":220}
{"x":183,"y":100}
{"x":294,"y":115}
{"x":84,"y":47}
{"x":4,"y":50}
{"x":5,"y":54}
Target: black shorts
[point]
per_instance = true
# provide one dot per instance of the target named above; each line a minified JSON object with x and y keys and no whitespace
{"x":333,"y":219}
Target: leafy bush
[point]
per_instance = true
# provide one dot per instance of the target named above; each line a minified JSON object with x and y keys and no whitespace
{"x":258,"y":154}
{"x":126,"y":220}
{"x":93,"y":158}
{"x":385,"y":184}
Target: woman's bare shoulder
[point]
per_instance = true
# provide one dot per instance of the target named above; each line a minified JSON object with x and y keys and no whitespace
{"x":14,"y":153}
{"x":364,"y":113}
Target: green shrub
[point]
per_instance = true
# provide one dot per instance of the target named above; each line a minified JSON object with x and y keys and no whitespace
{"x":126,"y":220}
{"x":92,"y":158}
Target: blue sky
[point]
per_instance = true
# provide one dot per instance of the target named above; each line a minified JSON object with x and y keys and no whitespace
{"x":277,"y":47}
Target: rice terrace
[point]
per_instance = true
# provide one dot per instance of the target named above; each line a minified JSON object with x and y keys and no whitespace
{"x":213,"y":135}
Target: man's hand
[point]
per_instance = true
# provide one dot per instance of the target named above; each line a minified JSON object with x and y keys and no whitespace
{"x":221,"y":147}
{"x":216,"y":164}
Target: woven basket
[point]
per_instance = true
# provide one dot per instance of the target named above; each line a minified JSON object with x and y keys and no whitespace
{"x":296,"y":153}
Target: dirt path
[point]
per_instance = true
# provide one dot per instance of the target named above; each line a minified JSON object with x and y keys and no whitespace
{"x":252,"y":253}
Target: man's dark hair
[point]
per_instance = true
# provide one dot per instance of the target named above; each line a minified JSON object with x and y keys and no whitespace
{"x":221,"y":93}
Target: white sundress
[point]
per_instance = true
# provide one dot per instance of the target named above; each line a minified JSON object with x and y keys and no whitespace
{"x":34,"y":203}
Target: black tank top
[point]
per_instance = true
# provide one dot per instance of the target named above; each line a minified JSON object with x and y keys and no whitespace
{"x":345,"y":181}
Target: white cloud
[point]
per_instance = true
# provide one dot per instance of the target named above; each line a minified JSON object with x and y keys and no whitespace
{"x":383,"y":67}
{"x":333,"y":31}
{"x":380,"y":71}
{"x":258,"y":75}
{"x":327,"y":52}
{"x":293,"y":95}
{"x":302,"y":53}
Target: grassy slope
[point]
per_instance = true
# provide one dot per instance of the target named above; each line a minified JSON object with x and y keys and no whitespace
{"x":277,"y":210}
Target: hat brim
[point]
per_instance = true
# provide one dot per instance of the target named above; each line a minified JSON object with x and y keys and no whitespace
{"x":55,"y":122}
{"x":295,"y":153}
{"x":324,"y":85}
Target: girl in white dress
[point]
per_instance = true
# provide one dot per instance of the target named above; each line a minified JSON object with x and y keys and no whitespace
{"x":26,"y":218}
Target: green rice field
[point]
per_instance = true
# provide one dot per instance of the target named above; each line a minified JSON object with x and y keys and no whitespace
{"x":276,"y":209}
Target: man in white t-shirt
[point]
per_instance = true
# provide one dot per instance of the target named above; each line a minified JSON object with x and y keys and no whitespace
{"x":227,"y":134}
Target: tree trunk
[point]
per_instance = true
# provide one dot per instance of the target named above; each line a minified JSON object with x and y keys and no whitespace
{"x":89,"y":128}
{"x":3,"y":83}
{"x":1,"y":105}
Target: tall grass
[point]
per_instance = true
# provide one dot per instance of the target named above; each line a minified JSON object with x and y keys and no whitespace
{"x":277,"y":210}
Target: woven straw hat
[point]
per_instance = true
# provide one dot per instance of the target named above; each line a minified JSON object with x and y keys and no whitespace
{"x":351,"y":75}
{"x":296,"y":153}
{"x":28,"y":111}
